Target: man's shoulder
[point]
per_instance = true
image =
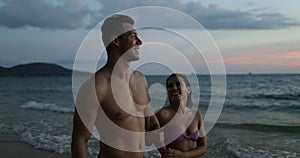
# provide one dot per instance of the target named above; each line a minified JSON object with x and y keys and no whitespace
{"x":102,"y":77}
{"x":102,"y":81}
{"x":138,"y":74}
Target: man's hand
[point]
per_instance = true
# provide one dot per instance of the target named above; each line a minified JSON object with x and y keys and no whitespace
{"x":156,"y":138}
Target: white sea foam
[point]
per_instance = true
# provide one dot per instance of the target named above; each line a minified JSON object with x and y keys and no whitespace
{"x":258,"y":151}
{"x":46,"y":106}
{"x":58,"y":143}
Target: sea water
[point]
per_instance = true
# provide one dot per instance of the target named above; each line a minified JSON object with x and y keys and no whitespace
{"x":260,"y":117}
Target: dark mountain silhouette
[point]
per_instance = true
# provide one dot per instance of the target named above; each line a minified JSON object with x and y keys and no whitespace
{"x":35,"y":69}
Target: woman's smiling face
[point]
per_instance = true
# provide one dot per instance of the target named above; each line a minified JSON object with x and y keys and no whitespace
{"x":177,"y":88}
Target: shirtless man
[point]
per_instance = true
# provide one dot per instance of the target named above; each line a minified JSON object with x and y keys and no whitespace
{"x":115,"y":100}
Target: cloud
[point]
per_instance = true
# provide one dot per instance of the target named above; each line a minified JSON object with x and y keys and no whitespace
{"x":67,"y":14}
{"x":211,"y":17}
{"x":216,"y":17}
{"x":72,"y":14}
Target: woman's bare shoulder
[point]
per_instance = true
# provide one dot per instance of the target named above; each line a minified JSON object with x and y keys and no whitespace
{"x":164,"y":114}
{"x":164,"y":110}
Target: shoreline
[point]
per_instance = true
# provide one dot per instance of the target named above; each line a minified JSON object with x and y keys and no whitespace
{"x":12,"y":147}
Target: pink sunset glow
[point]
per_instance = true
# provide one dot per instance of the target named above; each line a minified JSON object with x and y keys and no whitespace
{"x":285,"y":59}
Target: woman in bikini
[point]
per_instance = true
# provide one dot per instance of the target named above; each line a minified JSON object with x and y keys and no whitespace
{"x":183,"y":127}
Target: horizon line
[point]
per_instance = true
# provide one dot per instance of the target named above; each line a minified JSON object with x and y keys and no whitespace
{"x":147,"y":74}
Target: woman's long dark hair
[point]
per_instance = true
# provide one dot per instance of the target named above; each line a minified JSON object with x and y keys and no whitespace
{"x":187,"y":83}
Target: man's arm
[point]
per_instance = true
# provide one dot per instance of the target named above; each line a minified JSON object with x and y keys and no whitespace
{"x":80,"y":137}
{"x":156,"y":138}
{"x":151,"y":122}
{"x":86,"y":111}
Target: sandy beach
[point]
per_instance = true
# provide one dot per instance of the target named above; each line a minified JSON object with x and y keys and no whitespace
{"x":12,"y":147}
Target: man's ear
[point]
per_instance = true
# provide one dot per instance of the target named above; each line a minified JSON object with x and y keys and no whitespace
{"x":114,"y":40}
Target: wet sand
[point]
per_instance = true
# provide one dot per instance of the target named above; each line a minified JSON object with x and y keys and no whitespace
{"x":12,"y":147}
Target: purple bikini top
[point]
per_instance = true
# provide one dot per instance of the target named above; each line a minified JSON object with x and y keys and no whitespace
{"x":171,"y":134}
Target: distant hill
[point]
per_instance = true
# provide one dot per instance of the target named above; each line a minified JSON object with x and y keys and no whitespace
{"x":35,"y":69}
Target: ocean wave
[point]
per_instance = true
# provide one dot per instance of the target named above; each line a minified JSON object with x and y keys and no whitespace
{"x":290,"y":108}
{"x":59,"y":143}
{"x":47,"y":107}
{"x":257,"y":152}
{"x":262,"y":127}
{"x":285,"y":96}
{"x":230,"y":146}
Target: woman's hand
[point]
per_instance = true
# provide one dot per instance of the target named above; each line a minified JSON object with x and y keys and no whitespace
{"x":173,"y":153}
